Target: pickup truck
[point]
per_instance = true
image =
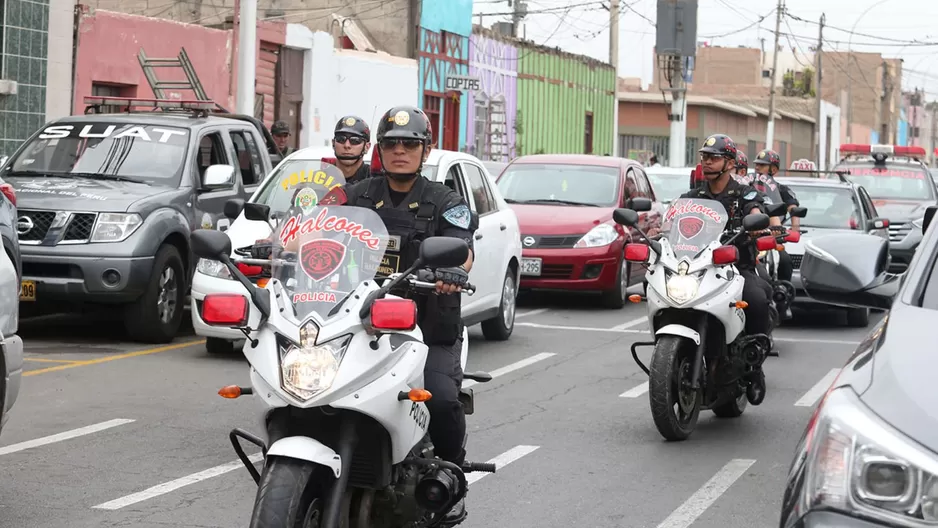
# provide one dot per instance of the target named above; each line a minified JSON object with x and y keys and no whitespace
{"x":107,"y":202}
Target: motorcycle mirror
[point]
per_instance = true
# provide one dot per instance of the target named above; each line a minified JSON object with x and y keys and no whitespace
{"x":257,"y":212}
{"x":638,"y":204}
{"x":778,"y":209}
{"x":626,"y":217}
{"x":443,"y":252}
{"x":755,"y":222}
{"x":210,"y":244}
{"x":799,"y":212}
{"x":233,"y":208}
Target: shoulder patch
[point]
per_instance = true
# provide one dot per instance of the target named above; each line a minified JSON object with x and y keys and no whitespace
{"x":459,"y":216}
{"x":751,"y":195}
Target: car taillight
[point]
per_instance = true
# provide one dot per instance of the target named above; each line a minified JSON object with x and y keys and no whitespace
{"x":8,"y":191}
{"x":225,"y":309}
{"x":636,"y":252}
{"x":394,"y":314}
{"x":725,"y":255}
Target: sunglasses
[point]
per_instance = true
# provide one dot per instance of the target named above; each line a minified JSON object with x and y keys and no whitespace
{"x":709,"y":157}
{"x":354,"y":140}
{"x":409,"y":144}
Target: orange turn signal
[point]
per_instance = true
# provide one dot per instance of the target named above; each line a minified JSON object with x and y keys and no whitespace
{"x":635,"y":298}
{"x":231,"y":392}
{"x":419,"y":395}
{"x":780,"y":247}
{"x":742,"y":305}
{"x":262,"y":283}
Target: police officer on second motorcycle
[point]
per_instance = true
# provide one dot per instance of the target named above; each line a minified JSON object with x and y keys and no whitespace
{"x":414,"y":208}
{"x":742,"y":168}
{"x":767,"y":163}
{"x":351,"y":140}
{"x":718,"y":161}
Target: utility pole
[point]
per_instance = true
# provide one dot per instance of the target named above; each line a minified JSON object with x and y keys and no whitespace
{"x":817,"y":95}
{"x":518,"y":11}
{"x":884,"y":125}
{"x":770,"y":129}
{"x":614,"y":60}
{"x":247,"y":56}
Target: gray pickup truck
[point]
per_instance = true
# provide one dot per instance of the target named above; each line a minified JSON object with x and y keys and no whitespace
{"x":107,"y":203}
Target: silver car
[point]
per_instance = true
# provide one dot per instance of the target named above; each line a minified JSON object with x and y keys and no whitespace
{"x":11,"y":345}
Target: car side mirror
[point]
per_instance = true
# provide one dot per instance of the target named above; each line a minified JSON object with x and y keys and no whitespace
{"x":639,"y":205}
{"x":233,"y":208}
{"x":929,"y":214}
{"x":443,"y":252}
{"x":755,"y":222}
{"x":210,"y":244}
{"x":799,"y":212}
{"x":849,"y":269}
{"x":218,"y":177}
{"x":626,"y":217}
{"x":778,"y":209}
{"x":257,"y":212}
{"x":879,"y":223}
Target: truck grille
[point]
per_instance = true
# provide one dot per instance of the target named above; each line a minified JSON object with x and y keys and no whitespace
{"x":899,"y":232}
{"x":796,"y":261}
{"x":41,"y":221}
{"x":77,"y":227}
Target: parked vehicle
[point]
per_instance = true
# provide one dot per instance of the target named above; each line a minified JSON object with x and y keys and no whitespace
{"x":564,"y":204}
{"x":869,"y":454}
{"x":497,"y":243}
{"x":495,"y":168}
{"x":107,"y":203}
{"x":10,"y":343}
{"x":668,"y":183}
{"x":834,"y":207}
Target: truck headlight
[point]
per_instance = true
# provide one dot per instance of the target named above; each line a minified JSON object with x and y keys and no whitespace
{"x":213,"y":268}
{"x":115,"y":227}
{"x":682,"y":288}
{"x":306,"y":371}
{"x":599,"y":236}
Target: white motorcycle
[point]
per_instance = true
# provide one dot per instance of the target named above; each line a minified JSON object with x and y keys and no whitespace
{"x":338,"y":361}
{"x":702,"y":358}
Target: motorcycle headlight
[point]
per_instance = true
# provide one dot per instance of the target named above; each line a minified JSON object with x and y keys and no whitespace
{"x":213,"y":268}
{"x":599,"y":236}
{"x":682,"y":288}
{"x":115,"y":227}
{"x":859,"y":464}
{"x":306,"y":371}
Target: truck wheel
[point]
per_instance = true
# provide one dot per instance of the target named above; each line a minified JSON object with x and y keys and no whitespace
{"x":218,"y":346}
{"x":156,"y":316}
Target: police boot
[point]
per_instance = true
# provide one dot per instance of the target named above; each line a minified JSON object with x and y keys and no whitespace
{"x":456,"y":515}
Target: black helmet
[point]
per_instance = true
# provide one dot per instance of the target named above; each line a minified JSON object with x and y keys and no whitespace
{"x":405,"y":122}
{"x":742,"y":161}
{"x":721,"y":145}
{"x":768,"y":157}
{"x":353,"y":126}
{"x":279,"y":128}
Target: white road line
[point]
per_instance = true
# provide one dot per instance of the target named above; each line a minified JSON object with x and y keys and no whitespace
{"x":166,"y":487}
{"x":818,"y":390}
{"x":635,"y":392}
{"x":698,"y":503}
{"x":512,"y":367}
{"x":633,"y":331}
{"x":630,"y":324}
{"x":67,"y":435}
{"x":532,"y":312}
{"x":503,"y":460}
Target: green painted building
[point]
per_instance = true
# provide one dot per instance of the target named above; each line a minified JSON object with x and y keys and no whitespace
{"x":565,"y":103}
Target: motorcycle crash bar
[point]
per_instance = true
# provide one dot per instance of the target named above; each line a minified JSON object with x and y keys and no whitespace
{"x":414,"y":395}
{"x":234,"y":391}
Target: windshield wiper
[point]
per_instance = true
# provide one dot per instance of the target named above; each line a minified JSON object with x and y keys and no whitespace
{"x":550,"y":200}
{"x":97,"y":176}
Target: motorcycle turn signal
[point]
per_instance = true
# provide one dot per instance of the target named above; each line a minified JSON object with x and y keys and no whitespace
{"x":414,"y":395}
{"x":636,"y":298}
{"x":742,"y":305}
{"x":234,"y":391}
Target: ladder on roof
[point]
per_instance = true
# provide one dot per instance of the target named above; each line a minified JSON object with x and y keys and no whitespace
{"x":182,"y":62}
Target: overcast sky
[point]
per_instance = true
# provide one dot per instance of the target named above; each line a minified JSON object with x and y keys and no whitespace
{"x":896,"y":28}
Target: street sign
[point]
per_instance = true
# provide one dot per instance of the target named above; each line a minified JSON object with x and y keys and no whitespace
{"x":462,"y":83}
{"x":803,"y":164}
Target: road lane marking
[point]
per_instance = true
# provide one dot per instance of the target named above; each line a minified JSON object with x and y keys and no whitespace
{"x":633,"y":331}
{"x":532,"y":312}
{"x":503,"y":460}
{"x":512,"y":367}
{"x":630,"y":324}
{"x":173,"y":485}
{"x":635,"y":392}
{"x":704,"y":497}
{"x":67,"y":435}
{"x":44,"y":360}
{"x":814,"y":393}
{"x":85,"y":363}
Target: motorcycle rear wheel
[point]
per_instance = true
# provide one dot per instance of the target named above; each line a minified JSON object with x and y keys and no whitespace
{"x":675,"y":407}
{"x":289,"y":495}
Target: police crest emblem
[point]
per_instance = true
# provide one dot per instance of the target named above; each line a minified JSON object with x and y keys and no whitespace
{"x":401,"y":118}
{"x":306,"y":200}
{"x":349,"y":121}
{"x":711,"y":141}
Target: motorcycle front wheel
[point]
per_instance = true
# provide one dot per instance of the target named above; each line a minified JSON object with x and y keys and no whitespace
{"x":674,"y":405}
{"x":289,"y":495}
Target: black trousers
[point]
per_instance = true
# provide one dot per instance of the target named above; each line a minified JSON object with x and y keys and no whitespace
{"x":756,"y":296}
{"x":442,"y":376}
{"x":785,"y":267}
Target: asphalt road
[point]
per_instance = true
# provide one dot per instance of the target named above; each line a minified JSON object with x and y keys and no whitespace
{"x":109,"y":433}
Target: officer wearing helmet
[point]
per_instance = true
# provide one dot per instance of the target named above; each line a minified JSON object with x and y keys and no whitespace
{"x":742,"y":168}
{"x":414,"y":208}
{"x":350,"y":141}
{"x":767,"y":163}
{"x":718,"y":161}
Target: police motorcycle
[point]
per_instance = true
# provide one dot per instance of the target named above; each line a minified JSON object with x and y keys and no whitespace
{"x":338,"y":369}
{"x":702,"y":358}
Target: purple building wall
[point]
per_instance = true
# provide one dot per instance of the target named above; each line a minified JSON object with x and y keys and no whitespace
{"x":495,"y":63}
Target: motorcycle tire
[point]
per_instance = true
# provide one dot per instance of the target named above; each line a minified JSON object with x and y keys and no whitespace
{"x":733,"y":408}
{"x":673,"y":359}
{"x":289,"y":494}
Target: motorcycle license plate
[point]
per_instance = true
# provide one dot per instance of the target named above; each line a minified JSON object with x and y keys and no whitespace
{"x":531,"y":267}
{"x":28,"y":291}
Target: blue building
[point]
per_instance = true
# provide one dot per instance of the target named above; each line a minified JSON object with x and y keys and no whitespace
{"x":902,"y":128}
{"x":445,"y":27}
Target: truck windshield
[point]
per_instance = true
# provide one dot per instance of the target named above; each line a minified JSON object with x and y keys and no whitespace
{"x":152,"y":153}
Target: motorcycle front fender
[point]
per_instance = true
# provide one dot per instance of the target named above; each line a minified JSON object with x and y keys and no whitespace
{"x":681,"y":331}
{"x":308,"y":449}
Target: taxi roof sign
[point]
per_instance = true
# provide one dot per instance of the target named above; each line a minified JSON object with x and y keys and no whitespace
{"x":803,"y":164}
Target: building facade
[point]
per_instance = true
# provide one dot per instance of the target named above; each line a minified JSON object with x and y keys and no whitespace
{"x":443,"y":38}
{"x":566,"y":103}
{"x":493,"y":109}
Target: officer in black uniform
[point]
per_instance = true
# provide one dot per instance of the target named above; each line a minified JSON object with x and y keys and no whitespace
{"x":742,"y":168}
{"x":718,"y":159}
{"x":414,"y":208}
{"x":768,"y":162}
{"x":350,"y":143}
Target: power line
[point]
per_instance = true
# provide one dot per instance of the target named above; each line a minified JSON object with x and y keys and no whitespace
{"x":740,"y":30}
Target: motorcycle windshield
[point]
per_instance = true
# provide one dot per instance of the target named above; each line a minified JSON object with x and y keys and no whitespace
{"x":692,"y":224}
{"x":767,"y":186}
{"x":298,"y":186}
{"x":323,"y":253}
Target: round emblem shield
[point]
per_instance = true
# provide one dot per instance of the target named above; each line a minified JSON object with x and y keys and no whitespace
{"x":401,"y":118}
{"x":321,"y":258}
{"x":690,"y":226}
{"x":350,"y":121}
{"x":306,"y":200}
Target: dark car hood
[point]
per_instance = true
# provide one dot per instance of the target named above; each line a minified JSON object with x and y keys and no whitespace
{"x":900,"y":211}
{"x":902,"y":391}
{"x":79,"y":194}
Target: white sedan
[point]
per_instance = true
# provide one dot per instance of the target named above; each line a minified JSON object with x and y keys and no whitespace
{"x":494,"y":270}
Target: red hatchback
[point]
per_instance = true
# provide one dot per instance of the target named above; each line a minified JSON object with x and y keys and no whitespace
{"x":564,"y":204}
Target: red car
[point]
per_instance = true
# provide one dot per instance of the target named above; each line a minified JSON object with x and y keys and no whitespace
{"x":564,"y":204}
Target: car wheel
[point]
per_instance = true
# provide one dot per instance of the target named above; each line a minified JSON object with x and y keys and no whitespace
{"x":858,"y":317}
{"x":219,"y":347}
{"x":156,"y":316}
{"x":499,"y":328}
{"x":615,"y":298}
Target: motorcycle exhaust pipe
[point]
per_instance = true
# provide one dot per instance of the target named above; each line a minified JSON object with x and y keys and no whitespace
{"x":434,"y":491}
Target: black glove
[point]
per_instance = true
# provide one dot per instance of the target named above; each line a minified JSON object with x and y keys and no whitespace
{"x":262,"y":249}
{"x":455,"y":276}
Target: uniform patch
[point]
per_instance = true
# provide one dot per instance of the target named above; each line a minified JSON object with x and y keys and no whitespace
{"x":710,"y":141}
{"x":459,"y":216}
{"x":751,"y":196}
{"x":379,"y":204}
{"x":350,"y":121}
{"x":306,"y":200}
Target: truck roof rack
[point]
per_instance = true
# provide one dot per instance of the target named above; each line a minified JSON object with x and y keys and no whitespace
{"x":194,"y":107}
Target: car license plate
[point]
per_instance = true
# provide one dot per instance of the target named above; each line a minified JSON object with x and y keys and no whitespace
{"x":27,"y":291}
{"x":531,"y":267}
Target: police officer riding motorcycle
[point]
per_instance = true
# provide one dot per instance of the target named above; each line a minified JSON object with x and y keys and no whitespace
{"x":414,"y":208}
{"x":741,"y":174}
{"x":350,"y":141}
